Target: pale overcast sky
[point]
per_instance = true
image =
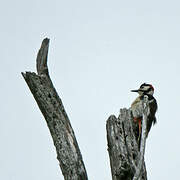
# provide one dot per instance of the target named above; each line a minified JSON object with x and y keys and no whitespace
{"x":99,"y":51}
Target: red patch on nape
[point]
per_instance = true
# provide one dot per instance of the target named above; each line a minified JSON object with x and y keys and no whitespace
{"x":152,"y":87}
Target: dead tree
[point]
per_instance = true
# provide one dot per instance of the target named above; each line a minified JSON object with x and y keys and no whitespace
{"x":127,"y":162}
{"x":126,"y":158}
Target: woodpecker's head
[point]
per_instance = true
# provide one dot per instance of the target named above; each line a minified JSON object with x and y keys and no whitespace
{"x":145,"y":89}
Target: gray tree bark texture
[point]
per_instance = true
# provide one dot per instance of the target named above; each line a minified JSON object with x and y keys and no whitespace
{"x":126,"y":158}
{"x":123,"y":148}
{"x":68,"y":152}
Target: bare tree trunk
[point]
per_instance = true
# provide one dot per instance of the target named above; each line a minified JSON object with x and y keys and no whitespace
{"x":68,"y":153}
{"x":123,"y":148}
{"x":126,"y":161}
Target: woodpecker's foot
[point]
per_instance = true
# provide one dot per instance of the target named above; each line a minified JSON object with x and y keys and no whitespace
{"x":135,"y":119}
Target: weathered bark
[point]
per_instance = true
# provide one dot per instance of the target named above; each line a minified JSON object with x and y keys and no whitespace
{"x":137,"y":175}
{"x":126,"y":161}
{"x":68,"y":152}
{"x":123,"y":147}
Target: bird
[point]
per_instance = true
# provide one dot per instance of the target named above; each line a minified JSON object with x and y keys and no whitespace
{"x":137,"y":107}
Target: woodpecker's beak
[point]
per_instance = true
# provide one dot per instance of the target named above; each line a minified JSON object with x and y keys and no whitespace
{"x":134,"y":90}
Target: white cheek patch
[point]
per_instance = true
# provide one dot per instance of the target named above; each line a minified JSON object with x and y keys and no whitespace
{"x":145,"y":88}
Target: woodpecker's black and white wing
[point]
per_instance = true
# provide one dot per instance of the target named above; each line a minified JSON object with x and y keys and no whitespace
{"x":151,"y":117}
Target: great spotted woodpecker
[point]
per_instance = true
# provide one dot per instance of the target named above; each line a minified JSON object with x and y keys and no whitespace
{"x":137,"y":106}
